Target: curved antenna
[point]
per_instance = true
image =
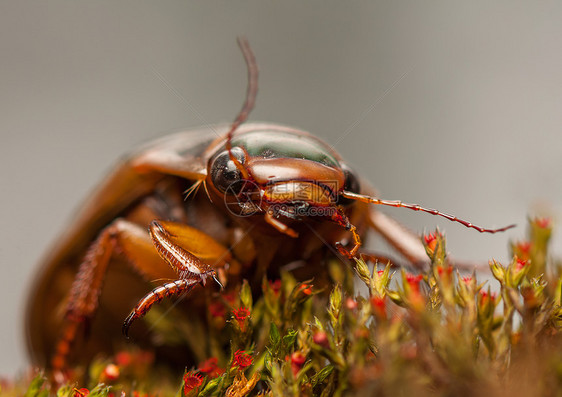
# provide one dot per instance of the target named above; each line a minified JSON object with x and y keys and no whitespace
{"x":416,"y":207}
{"x":251,"y":93}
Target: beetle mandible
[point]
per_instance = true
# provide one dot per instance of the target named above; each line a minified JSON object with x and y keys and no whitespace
{"x":261,"y":196}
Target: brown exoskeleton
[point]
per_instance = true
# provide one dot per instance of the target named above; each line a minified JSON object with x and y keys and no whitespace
{"x":261,"y":196}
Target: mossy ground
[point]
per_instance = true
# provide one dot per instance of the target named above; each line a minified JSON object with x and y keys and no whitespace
{"x":438,"y":333}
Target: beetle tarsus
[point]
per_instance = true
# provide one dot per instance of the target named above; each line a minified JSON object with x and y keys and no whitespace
{"x":127,"y":324}
{"x":218,"y":281}
{"x":167,"y":290}
{"x":343,"y":251}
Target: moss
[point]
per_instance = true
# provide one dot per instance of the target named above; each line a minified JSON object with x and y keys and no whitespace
{"x":438,"y":333}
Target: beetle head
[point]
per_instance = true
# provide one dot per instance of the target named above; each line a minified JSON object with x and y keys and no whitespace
{"x":286,"y":172}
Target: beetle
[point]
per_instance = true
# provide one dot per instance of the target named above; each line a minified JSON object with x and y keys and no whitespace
{"x":260,"y":196}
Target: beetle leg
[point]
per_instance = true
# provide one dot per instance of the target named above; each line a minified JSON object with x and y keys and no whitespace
{"x":183,"y":247}
{"x":341,"y":219}
{"x":167,"y":290}
{"x":280,"y":226}
{"x":186,"y":249}
{"x":124,"y":237}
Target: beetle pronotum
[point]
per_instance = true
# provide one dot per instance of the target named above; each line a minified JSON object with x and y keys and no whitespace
{"x":272,"y":195}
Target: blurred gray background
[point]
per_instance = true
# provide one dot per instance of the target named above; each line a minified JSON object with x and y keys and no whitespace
{"x":455,"y":105}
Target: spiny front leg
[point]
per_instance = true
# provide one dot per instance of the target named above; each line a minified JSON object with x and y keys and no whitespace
{"x":167,"y":238}
{"x":167,"y":290}
{"x":174,"y":243}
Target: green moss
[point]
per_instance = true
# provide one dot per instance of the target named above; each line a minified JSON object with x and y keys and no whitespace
{"x":437,"y":333}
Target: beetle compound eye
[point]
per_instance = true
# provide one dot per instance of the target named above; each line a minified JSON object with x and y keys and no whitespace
{"x":226,"y":177}
{"x":351,"y":185}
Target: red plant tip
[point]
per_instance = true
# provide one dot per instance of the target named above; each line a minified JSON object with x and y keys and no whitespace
{"x":275,"y":286}
{"x":306,"y":289}
{"x":523,"y":246}
{"x":111,"y":372}
{"x":217,"y":309}
{"x":242,"y":359}
{"x":430,"y":240}
{"x":414,"y":281}
{"x":210,"y":367}
{"x":485,"y":296}
{"x":123,"y":359}
{"x":321,"y":338}
{"x":297,"y":361}
{"x":543,"y":223}
{"x":241,"y":314}
{"x":467,"y":279}
{"x":379,"y":306}
{"x":520,"y":264}
{"x":351,"y":304}
{"x":413,"y":278}
{"x":445,"y":274}
{"x":81,"y":392}
{"x":442,"y":271}
{"x":191,"y":380}
{"x":413,"y":293}
{"x":380,"y":272}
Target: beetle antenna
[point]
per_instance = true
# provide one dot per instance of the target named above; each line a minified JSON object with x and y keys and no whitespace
{"x":251,"y":93}
{"x":416,"y":207}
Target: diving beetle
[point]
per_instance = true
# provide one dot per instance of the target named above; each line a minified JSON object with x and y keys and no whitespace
{"x":260,"y":197}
